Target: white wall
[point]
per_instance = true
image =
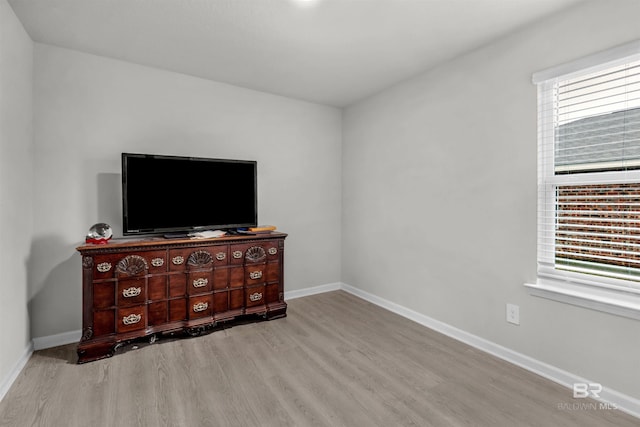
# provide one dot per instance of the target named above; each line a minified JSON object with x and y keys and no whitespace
{"x":439,"y":197}
{"x":16,"y":186}
{"x":89,"y":109}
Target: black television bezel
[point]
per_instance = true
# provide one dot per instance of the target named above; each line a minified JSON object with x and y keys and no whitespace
{"x":187,"y":228}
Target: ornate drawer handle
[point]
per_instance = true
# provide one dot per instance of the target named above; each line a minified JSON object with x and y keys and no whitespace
{"x":132,"y":319}
{"x":256,"y":296}
{"x":220,"y":256}
{"x":272,"y":251}
{"x":103,"y":267}
{"x":198,"y":283}
{"x":131,"y":292}
{"x":237,"y":254}
{"x":201,"y":306}
{"x":177,"y":260}
{"x":157,"y":262}
{"x":255,"y":275}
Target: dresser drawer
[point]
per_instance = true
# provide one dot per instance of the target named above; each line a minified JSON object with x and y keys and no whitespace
{"x":132,"y":291}
{"x":220,"y":254}
{"x":249,"y":253}
{"x":255,"y":273}
{"x":199,"y":282}
{"x":104,"y":266}
{"x":178,"y":259}
{"x":200,"y":306}
{"x":273,"y":250}
{"x":206,"y":257}
{"x":254,"y":295}
{"x":157,"y":261}
{"x":131,"y":318}
{"x":141,"y":262}
{"x":134,"y":263}
{"x":236,"y":253}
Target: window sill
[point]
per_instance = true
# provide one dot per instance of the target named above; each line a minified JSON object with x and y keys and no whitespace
{"x":614,"y":302}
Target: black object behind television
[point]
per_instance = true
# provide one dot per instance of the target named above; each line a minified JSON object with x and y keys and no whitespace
{"x":169,"y":194}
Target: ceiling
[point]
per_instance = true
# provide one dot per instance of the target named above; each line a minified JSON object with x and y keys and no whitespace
{"x":332,"y":52}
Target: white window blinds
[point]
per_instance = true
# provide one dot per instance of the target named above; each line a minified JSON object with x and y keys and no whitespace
{"x":597,"y":120}
{"x":589,"y":174}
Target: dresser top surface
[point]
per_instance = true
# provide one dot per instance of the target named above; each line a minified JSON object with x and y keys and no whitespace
{"x":142,"y":242}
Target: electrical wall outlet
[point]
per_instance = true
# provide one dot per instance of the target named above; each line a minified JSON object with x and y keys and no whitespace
{"x":513,"y":314}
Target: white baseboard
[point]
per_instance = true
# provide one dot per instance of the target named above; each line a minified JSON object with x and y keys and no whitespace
{"x":623,"y":402}
{"x":55,"y":340}
{"x":6,"y":383}
{"x":299,"y":293}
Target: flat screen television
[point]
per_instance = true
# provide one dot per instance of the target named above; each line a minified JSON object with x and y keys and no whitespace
{"x":172,"y":194}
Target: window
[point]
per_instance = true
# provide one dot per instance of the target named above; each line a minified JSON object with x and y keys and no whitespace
{"x":589,"y":182}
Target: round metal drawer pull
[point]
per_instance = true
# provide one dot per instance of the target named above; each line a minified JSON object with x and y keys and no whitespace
{"x":221,"y":256}
{"x":178,"y":260}
{"x":132,"y":319}
{"x":201,"y":306}
{"x":103,"y":267}
{"x":157,"y":262}
{"x":237,"y":254}
{"x":256,"y":296}
{"x":131,"y":292}
{"x":199,"y":283}
{"x":255,"y":275}
{"x":272,"y":251}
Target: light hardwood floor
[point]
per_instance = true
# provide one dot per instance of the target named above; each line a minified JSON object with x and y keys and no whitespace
{"x":334,"y":361}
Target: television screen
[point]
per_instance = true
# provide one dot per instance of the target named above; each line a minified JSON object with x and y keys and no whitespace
{"x":168,"y":194}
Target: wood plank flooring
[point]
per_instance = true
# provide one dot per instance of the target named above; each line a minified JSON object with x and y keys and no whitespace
{"x":334,"y":361}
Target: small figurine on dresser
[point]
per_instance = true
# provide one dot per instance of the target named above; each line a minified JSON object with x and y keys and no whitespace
{"x":99,"y":234}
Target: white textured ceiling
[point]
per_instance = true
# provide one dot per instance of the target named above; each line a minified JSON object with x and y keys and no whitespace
{"x":332,"y":52}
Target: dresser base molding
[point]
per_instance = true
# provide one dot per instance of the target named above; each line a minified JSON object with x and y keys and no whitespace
{"x":89,"y":351}
{"x":146,"y":289}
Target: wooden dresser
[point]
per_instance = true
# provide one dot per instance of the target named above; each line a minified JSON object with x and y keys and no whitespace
{"x":142,"y":288}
